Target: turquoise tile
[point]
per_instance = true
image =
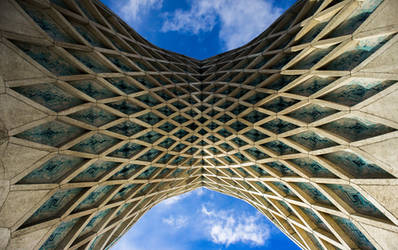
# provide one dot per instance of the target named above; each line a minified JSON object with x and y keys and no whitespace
{"x":356,"y":129}
{"x":356,"y":165}
{"x":52,"y":133}
{"x":53,"y":170}
{"x":50,"y":96}
{"x":95,"y":144}
{"x":94,"y":116}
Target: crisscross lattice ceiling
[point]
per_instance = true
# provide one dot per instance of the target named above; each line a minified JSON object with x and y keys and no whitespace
{"x":98,"y":125}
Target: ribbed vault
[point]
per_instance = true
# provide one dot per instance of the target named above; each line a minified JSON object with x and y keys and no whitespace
{"x":98,"y":125}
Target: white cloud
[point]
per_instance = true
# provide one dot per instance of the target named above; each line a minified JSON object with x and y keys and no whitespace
{"x":227,"y":227}
{"x":176,"y":222}
{"x":240,"y":20}
{"x":132,"y":10}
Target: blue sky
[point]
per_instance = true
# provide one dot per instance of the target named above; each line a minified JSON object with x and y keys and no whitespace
{"x":201,"y":219}
{"x":204,"y":219}
{"x":199,"y":28}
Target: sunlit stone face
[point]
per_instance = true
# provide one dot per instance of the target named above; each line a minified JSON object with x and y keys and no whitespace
{"x":100,"y":125}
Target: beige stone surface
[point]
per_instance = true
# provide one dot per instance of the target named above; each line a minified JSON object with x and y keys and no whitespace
{"x":16,"y":113}
{"x":385,"y":195}
{"x":383,"y":108}
{"x":4,"y":189}
{"x":13,"y":210}
{"x":27,"y":241}
{"x":16,"y":158}
{"x":4,"y":237}
{"x":12,"y":20}
{"x":386,"y":239}
{"x":384,"y":63}
{"x":385,"y":151}
{"x":20,"y":67}
{"x":386,"y":13}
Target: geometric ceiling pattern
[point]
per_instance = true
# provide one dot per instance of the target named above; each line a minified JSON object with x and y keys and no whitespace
{"x":98,"y":125}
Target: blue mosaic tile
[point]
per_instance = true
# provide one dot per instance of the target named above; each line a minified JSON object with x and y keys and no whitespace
{"x":127,"y":151}
{"x":278,"y":126}
{"x":255,"y":116}
{"x":124,"y":85}
{"x":144,"y":81}
{"x":150,"y":137}
{"x":126,"y":107}
{"x":314,"y":193}
{"x":261,"y":172}
{"x":357,"y":91}
{"x":95,"y":144}
{"x":47,"y":23}
{"x":281,"y":82}
{"x":167,"y":143}
{"x":310,"y":35}
{"x":259,"y":79}
{"x":239,"y":142}
{"x":279,"y":148}
{"x":55,"y":206}
{"x":180,"y":133}
{"x":179,"y":147}
{"x":150,"y":155}
{"x":95,"y":221}
{"x":93,"y":89}
{"x":313,"y":168}
{"x":256,"y":97}
{"x":226,"y":146}
{"x":315,"y":219}
{"x":355,"y":200}
{"x":48,"y":59}
{"x":312,"y":85}
{"x":59,"y":234}
{"x":52,"y":133}
{"x":311,"y":113}
{"x":356,"y":166}
{"x":283,"y":60}
{"x":94,"y":116}
{"x":356,"y":129}
{"x":264,"y":188}
{"x":353,"y":57}
{"x":280,"y":103}
{"x":255,"y":135}
{"x":119,"y":62}
{"x":53,"y":170}
{"x":284,"y":189}
{"x":127,"y":128}
{"x":147,"y":173}
{"x":94,"y":198}
{"x":353,"y":233}
{"x":312,"y":141}
{"x":359,"y":15}
{"x":313,"y":58}
{"x":285,"y":206}
{"x":95,"y":171}
{"x":148,"y":100}
{"x":126,"y":172}
{"x":124,"y":192}
{"x":178,"y":160}
{"x":223,"y":132}
{"x":150,"y":118}
{"x":88,"y":35}
{"x":90,"y":61}
{"x":281,"y":169}
{"x":50,"y":96}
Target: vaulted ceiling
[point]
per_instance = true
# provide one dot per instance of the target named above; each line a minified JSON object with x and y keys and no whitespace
{"x":98,"y":125}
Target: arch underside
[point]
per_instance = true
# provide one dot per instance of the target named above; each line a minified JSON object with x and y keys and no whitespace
{"x":97,"y":125}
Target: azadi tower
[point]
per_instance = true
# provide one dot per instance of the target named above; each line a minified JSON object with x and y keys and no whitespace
{"x":97,"y":125}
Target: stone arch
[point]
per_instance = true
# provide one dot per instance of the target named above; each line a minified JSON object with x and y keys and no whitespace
{"x":300,"y":122}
